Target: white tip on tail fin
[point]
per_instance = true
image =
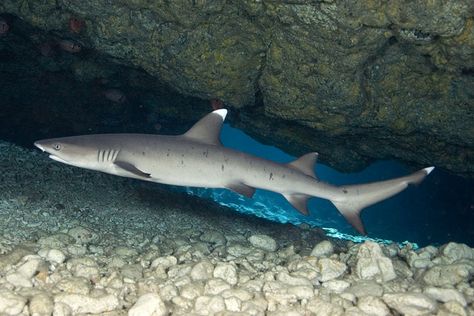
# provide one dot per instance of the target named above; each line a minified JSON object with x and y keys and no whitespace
{"x":221,"y":112}
{"x":428,"y":170}
{"x":354,"y":198}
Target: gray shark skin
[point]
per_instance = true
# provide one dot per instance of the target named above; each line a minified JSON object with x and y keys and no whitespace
{"x":197,"y":158}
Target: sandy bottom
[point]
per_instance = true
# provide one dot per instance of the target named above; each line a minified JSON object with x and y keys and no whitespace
{"x":74,"y":242}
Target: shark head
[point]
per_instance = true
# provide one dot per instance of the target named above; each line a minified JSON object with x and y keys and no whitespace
{"x":75,"y":151}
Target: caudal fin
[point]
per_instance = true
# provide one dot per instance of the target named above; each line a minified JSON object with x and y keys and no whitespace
{"x":354,"y":198}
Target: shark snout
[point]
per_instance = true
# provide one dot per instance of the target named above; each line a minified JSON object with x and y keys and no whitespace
{"x":37,"y":144}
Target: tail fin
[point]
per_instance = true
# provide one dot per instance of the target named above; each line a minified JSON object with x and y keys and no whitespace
{"x":354,"y":198}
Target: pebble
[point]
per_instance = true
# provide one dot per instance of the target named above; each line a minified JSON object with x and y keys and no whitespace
{"x":323,"y":249}
{"x":336,"y":286}
{"x":214,"y":237}
{"x":41,"y":304}
{"x":79,"y":303}
{"x":149,"y":304}
{"x":209,"y":305}
{"x":372,"y":305}
{"x":82,"y":235}
{"x":11,"y":303}
{"x":410,"y":303}
{"x":202,"y":271}
{"x":263,"y":242}
{"x":330,"y":269}
{"x":373,"y":264}
{"x":445,"y":295}
{"x":52,"y":255}
{"x":456,"y":252}
{"x":227,"y":272}
{"x":363,"y":288}
{"x":447,"y":275}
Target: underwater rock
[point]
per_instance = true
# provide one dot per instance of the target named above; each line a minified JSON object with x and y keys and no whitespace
{"x":356,"y":81}
{"x":410,"y":303}
{"x":373,"y":306}
{"x":88,"y":304}
{"x":323,"y":249}
{"x":263,"y":242}
{"x":11,"y":303}
{"x":148,"y":305}
{"x":372,"y":264}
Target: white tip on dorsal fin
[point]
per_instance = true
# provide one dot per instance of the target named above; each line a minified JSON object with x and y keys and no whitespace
{"x":306,"y":164}
{"x":208,"y":129}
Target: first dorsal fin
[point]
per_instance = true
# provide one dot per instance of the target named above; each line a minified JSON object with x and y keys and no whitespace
{"x":208,"y":129}
{"x":306,"y":164}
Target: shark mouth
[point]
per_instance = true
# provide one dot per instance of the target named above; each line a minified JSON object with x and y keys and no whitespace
{"x":58,"y":159}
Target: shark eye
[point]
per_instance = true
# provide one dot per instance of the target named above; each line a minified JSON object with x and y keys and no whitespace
{"x":57,"y":146}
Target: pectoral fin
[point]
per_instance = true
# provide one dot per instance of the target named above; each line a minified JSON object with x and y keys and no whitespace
{"x":241,"y":188}
{"x":298,"y":201}
{"x":132,"y":169}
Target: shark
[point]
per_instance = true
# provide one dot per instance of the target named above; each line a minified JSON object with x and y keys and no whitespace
{"x":197,"y":158}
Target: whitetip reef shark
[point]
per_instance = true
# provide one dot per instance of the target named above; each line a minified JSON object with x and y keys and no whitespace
{"x":197,"y":158}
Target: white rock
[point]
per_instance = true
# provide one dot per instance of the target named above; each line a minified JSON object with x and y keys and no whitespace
{"x":11,"y":303}
{"x":56,"y":241}
{"x":125,"y":252}
{"x":216,"y":286}
{"x":445,"y":295}
{"x":330,"y":269}
{"x":18,"y":280}
{"x":263,"y":242}
{"x":41,"y":304}
{"x":76,"y":250}
{"x":373,"y":306}
{"x":25,"y":270}
{"x":233,"y":304}
{"x":453,"y":308}
{"x":164,"y":262}
{"x":86,"y":304}
{"x":336,"y":286}
{"x":209,"y":305}
{"x":84,"y":267}
{"x":455,"y":251}
{"x":323,"y":249}
{"x":447,"y":275}
{"x":149,"y":304}
{"x":74,"y":285}
{"x":238,"y":250}
{"x":61,"y":309}
{"x":241,"y":294}
{"x":82,"y":235}
{"x":301,"y":292}
{"x":52,"y":255}
{"x":373,"y":264}
{"x":202,"y":271}
{"x":322,"y":308}
{"x":192,"y":290}
{"x":410,"y":303}
{"x":132,"y":271}
{"x":363,"y":288}
{"x":227,"y":272}
{"x":287,"y":279}
{"x":214,"y":237}
{"x":30,"y":265}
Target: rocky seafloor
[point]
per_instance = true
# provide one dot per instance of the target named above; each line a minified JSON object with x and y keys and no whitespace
{"x":78,"y":242}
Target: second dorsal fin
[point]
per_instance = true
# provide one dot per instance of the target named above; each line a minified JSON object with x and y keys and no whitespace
{"x":305,"y":164}
{"x":207,"y":130}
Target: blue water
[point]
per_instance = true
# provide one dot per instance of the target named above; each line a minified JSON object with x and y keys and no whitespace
{"x":415,"y":215}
